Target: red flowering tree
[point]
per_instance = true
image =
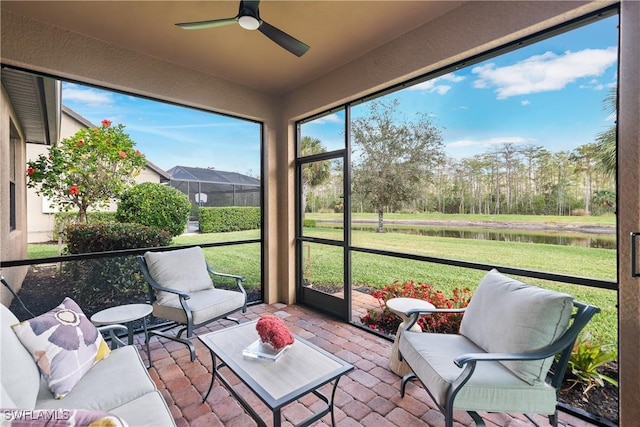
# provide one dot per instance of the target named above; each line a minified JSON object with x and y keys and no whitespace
{"x":88,"y":169}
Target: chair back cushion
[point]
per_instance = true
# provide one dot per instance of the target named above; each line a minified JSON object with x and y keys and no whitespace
{"x":182,"y":269}
{"x":508,"y":316}
{"x":19,"y":374}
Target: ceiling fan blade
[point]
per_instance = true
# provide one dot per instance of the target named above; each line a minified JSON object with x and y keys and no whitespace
{"x":286,"y":41}
{"x":207,"y":24}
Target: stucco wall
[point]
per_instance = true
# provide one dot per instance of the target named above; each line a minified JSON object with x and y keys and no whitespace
{"x":13,"y":243}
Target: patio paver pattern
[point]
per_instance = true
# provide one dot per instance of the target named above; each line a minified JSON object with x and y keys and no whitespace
{"x":368,"y":396}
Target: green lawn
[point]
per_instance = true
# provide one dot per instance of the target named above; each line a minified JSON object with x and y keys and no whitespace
{"x":323,"y":264}
{"x":550,"y":219}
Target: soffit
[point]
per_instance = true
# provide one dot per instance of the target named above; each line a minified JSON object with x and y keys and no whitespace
{"x":337,"y":32}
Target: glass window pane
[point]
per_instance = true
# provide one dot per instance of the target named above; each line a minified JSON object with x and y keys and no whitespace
{"x":329,"y":130}
{"x":323,"y":268}
{"x":322,"y":199}
{"x":526,"y":163}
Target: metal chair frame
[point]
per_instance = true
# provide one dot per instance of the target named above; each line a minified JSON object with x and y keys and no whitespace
{"x":561,"y":347}
{"x":189,"y":327}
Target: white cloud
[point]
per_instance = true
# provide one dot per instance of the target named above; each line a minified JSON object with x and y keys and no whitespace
{"x":525,"y":102}
{"x":436,"y":85}
{"x":331,"y":118}
{"x":488,"y":142}
{"x":545,"y":72}
{"x":89,"y":97}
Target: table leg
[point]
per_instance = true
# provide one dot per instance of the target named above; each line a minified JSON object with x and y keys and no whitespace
{"x":333,"y":395}
{"x":213,"y":375}
{"x":146,"y":341}
{"x":277,"y":418}
{"x":130,"y":333}
{"x":396,"y":365}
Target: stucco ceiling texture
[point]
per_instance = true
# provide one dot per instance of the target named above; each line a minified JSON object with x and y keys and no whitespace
{"x":336,"y":31}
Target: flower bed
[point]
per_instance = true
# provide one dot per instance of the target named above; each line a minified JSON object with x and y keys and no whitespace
{"x":383,"y":320}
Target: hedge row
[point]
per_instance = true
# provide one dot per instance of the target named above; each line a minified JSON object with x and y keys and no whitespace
{"x":224,"y":219}
{"x":102,"y":281}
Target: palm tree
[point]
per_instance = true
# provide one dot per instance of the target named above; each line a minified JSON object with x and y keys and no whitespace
{"x":606,"y":140}
{"x":314,"y":173}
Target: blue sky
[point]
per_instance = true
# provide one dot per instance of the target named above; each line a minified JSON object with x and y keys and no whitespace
{"x":548,"y":94}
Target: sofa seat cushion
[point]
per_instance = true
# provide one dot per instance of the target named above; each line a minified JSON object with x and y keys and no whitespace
{"x":182,"y":270}
{"x":431,"y":356}
{"x":149,"y":410}
{"x":509,"y":316}
{"x":205,"y":305}
{"x":110,"y":383}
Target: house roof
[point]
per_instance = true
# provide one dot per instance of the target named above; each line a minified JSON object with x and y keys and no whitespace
{"x":77,"y":117}
{"x":212,"y":176}
{"x":36,"y":101}
{"x":336,"y":31}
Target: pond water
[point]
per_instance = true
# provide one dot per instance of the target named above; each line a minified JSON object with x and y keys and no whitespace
{"x":550,"y":238}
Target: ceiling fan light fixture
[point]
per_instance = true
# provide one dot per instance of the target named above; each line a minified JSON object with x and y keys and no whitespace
{"x":249,"y":22}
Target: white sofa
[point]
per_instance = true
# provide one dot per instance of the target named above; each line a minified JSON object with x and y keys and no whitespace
{"x":118,"y":384}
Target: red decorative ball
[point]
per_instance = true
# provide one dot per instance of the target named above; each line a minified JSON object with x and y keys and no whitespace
{"x":272,"y":330}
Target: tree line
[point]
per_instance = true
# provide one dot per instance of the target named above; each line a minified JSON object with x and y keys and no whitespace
{"x":400,"y":166}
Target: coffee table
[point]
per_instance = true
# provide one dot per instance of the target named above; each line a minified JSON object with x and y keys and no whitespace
{"x":303,"y":369}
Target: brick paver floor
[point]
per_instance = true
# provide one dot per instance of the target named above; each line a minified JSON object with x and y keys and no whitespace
{"x":368,"y":396}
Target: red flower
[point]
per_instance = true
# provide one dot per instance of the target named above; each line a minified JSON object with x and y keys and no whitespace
{"x":80,"y":142}
{"x":106,"y":123}
{"x":272,"y":330}
{"x":30,"y":171}
{"x":74,"y":189}
{"x":122,"y":154}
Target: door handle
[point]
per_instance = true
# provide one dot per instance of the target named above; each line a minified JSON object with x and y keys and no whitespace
{"x":634,"y":254}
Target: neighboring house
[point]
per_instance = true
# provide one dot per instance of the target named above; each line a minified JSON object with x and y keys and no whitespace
{"x":29,"y":113}
{"x":40,"y":213}
{"x":211,"y":187}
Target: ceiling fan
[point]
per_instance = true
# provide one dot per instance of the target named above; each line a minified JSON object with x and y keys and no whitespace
{"x":249,"y":18}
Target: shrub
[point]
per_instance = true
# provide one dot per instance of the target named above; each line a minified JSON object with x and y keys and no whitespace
{"x":225,"y":219}
{"x":155,"y":205}
{"x":586,"y":357}
{"x":63,"y":219}
{"x":309,"y":223}
{"x":436,"y":322}
{"x":105,"y":280}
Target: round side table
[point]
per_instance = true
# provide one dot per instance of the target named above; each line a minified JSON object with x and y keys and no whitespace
{"x":400,"y":306}
{"x":126,"y":314}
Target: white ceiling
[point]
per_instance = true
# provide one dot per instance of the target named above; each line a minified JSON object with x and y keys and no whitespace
{"x":337,"y":32}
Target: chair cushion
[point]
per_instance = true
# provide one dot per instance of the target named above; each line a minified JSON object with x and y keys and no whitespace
{"x":205,"y":306}
{"x":182,"y":269}
{"x":19,"y":373}
{"x":506,"y":315}
{"x":492,"y":386}
{"x":64,"y":344}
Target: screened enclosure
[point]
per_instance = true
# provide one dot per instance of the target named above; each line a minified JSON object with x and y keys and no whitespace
{"x":210,"y":187}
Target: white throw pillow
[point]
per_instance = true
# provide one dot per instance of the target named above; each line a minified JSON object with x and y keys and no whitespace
{"x":506,"y":315}
{"x":182,"y":269}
